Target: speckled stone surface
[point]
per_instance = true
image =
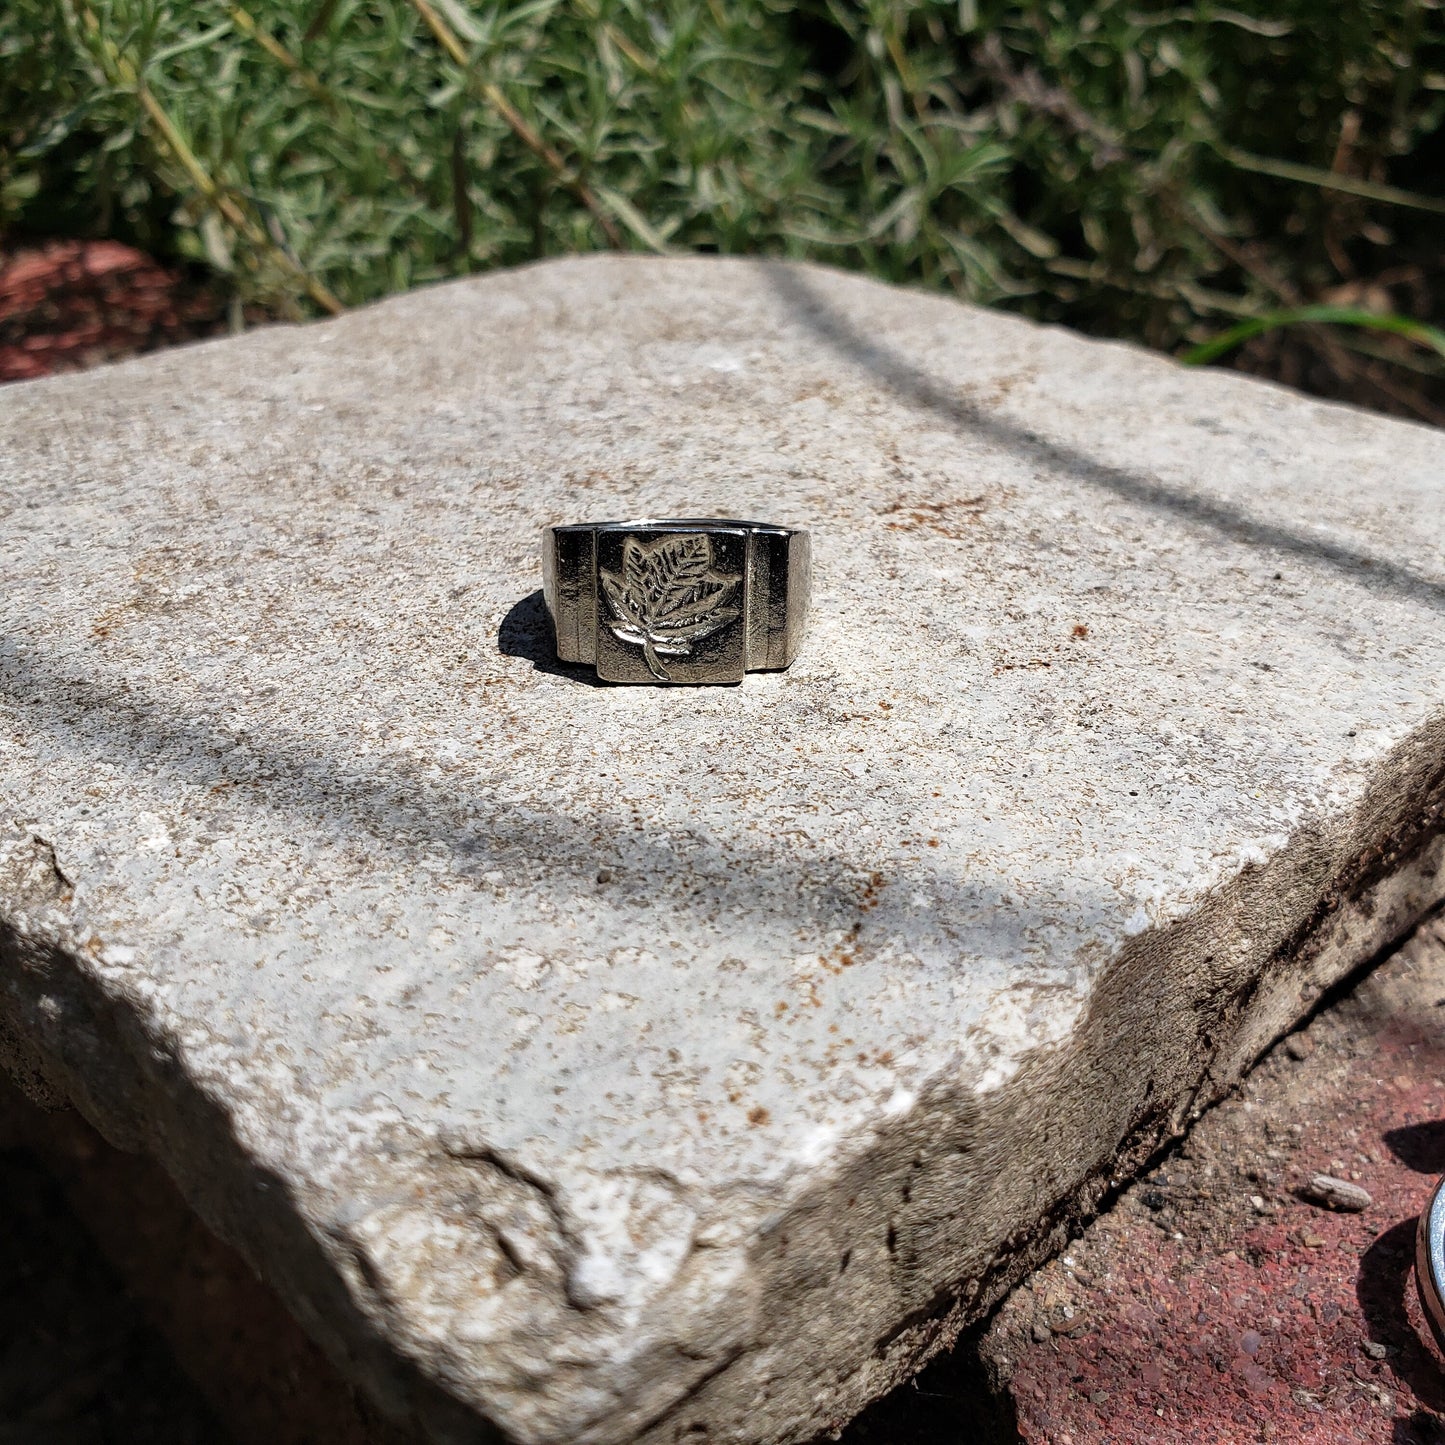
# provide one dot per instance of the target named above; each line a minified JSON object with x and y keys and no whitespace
{"x":616,"y":1064}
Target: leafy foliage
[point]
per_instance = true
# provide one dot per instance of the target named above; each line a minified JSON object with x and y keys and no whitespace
{"x":1132,"y":167}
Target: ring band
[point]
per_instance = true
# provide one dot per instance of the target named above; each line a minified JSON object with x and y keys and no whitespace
{"x":1430,"y":1262}
{"x":693,"y":600}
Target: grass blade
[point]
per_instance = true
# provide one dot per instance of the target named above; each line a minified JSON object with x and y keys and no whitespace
{"x":1416,"y":331}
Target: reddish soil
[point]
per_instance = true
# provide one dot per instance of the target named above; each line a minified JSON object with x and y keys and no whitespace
{"x":72,"y":304}
{"x":1213,"y":1305}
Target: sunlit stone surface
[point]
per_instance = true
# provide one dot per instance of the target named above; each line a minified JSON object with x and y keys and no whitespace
{"x":614,"y":1063}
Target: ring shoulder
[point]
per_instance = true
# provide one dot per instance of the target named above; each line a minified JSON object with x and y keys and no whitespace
{"x":780,"y":574}
{"x":569,"y":587}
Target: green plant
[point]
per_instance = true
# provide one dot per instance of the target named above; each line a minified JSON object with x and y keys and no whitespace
{"x":1220,"y":345}
{"x":1131,"y":167}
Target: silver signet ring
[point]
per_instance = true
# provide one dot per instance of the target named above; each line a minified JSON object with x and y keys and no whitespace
{"x":686,"y":601}
{"x":1430,"y":1262}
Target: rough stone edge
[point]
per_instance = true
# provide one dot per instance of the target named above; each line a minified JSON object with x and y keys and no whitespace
{"x":1318,"y":911}
{"x":833,"y":1335}
{"x":65,"y":1036}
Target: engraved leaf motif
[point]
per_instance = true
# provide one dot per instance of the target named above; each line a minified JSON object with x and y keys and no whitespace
{"x":668,"y":597}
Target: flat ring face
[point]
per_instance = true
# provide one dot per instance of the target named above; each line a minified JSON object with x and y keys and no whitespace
{"x":1430,"y":1262}
{"x":681,"y":600}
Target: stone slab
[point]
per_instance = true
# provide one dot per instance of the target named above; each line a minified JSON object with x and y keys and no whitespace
{"x":597,"y":1064}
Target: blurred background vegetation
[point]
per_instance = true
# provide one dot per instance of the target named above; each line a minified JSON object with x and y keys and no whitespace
{"x":1154,"y":171}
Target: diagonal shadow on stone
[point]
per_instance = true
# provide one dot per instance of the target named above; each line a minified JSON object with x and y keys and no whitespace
{"x":348,"y":797}
{"x":122,"y":723}
{"x":913,"y":384}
